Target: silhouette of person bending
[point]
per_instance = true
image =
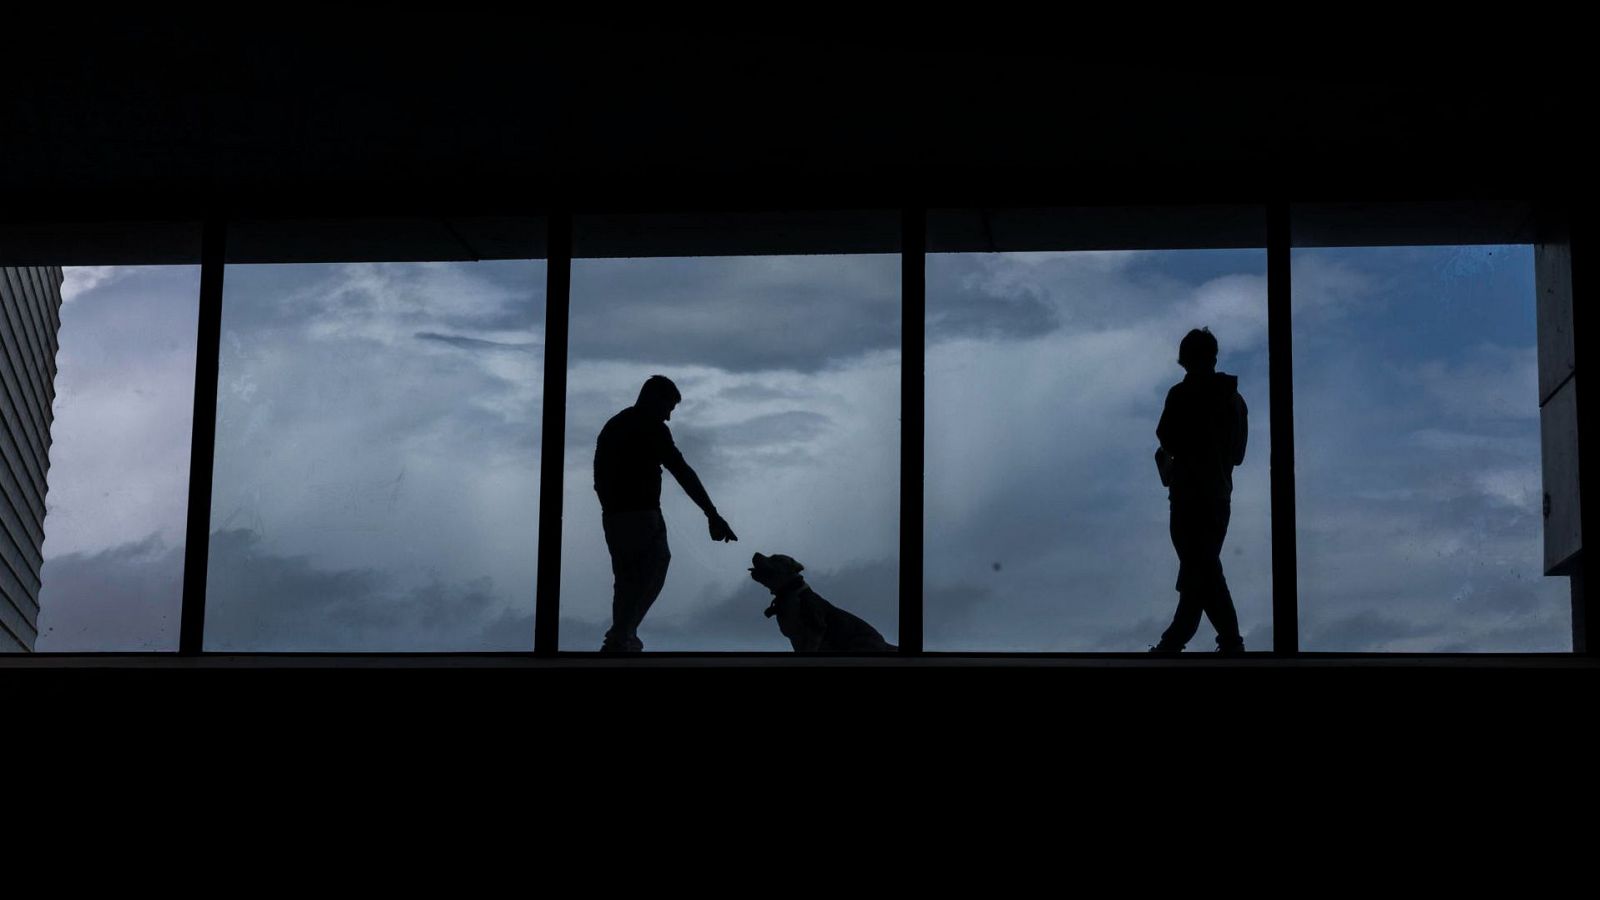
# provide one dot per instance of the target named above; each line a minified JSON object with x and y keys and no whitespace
{"x":628,"y":456}
{"x":1202,"y":432}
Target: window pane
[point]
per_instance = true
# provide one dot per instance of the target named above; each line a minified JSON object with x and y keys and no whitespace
{"x":119,"y":458}
{"x":377,"y":457}
{"x":1047,"y":525}
{"x":1417,"y":452}
{"x":789,"y":370}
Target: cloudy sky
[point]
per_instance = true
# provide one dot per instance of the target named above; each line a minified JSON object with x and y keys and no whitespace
{"x":378,"y":449}
{"x":1046,"y":521}
{"x":1417,"y":453}
{"x":119,"y":459}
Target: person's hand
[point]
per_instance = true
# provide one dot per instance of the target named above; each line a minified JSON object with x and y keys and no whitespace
{"x":1164,"y":466}
{"x":719,"y":529}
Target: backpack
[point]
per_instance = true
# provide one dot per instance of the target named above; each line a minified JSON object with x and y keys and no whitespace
{"x":1239,"y":430}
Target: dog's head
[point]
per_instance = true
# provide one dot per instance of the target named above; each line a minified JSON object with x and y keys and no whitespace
{"x":775,"y":571}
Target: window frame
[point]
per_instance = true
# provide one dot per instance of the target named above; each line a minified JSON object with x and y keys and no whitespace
{"x":1286,"y":226}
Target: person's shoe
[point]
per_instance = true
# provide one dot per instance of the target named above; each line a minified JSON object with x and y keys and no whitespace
{"x":1232,"y":647}
{"x":1164,"y":649}
{"x":630,"y":644}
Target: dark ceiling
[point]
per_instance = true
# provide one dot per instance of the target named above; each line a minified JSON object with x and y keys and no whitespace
{"x":280,"y":115}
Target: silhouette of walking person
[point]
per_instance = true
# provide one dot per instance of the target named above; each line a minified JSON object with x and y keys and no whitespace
{"x":1202,"y":431}
{"x":628,"y":456}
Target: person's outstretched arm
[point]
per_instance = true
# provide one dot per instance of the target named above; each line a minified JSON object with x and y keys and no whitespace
{"x":675,"y":463}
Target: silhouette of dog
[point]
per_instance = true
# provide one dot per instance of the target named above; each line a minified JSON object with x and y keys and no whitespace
{"x":812,"y":624}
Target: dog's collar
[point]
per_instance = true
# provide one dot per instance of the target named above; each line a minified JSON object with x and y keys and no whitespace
{"x":789,"y":588}
{"x":793,"y":586}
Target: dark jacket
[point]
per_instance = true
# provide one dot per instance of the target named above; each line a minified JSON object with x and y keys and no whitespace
{"x":1204,"y":426}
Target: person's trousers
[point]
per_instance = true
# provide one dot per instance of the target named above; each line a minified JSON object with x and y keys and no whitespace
{"x":1198,"y":528}
{"x":639,"y":559}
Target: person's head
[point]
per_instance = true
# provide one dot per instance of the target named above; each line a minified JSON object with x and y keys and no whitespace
{"x":1197,"y":352}
{"x":658,"y":396}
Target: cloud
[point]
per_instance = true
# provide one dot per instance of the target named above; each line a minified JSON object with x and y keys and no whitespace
{"x":344,"y":441}
{"x":740,"y":314}
{"x":1366,"y":630}
{"x":387,"y":304}
{"x":962,"y":302}
{"x":345,"y":438}
{"x":79,"y":280}
{"x":1146,"y":632}
{"x":1414,"y":399}
{"x":258,"y":600}
{"x":1417,"y":461}
{"x":1492,"y":384}
{"x":469,"y":343}
{"x":1543,"y":634}
{"x":780,"y":428}
{"x":1327,"y":287}
{"x":119,"y":455}
{"x":128,"y":597}
{"x":1234,"y":307}
{"x":757,"y":392}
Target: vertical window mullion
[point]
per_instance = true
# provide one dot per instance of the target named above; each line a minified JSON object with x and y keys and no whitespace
{"x":913,"y":353}
{"x":553,"y":434}
{"x":203,"y":436}
{"x":1280,"y":361}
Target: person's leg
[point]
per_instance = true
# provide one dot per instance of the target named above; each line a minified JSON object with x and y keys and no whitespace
{"x":627,"y":537}
{"x":1218,"y":600}
{"x":656,"y":557}
{"x":1190,"y":603}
